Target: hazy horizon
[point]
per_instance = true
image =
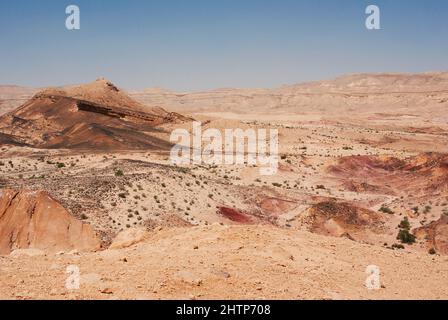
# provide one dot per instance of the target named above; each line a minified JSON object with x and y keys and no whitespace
{"x":208,"y":45}
{"x":217,"y":88}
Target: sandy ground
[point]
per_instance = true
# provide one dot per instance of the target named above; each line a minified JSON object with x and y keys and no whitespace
{"x":222,"y":262}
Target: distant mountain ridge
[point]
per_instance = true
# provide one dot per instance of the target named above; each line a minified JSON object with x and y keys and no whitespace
{"x":379,"y":82}
{"x":366,"y":93}
{"x":365,"y":90}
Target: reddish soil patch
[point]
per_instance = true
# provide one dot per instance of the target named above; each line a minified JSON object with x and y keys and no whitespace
{"x":380,"y":174}
{"x":234,"y":215}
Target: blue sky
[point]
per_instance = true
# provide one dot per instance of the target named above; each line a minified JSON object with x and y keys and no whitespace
{"x":205,"y":44}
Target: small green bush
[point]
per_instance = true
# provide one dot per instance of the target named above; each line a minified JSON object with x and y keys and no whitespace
{"x":406,"y":237}
{"x":405,"y":225}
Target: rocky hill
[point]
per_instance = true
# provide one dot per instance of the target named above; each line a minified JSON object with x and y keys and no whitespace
{"x":93,"y":116}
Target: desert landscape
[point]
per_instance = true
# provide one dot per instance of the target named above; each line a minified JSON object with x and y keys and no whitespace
{"x":86,"y":180}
